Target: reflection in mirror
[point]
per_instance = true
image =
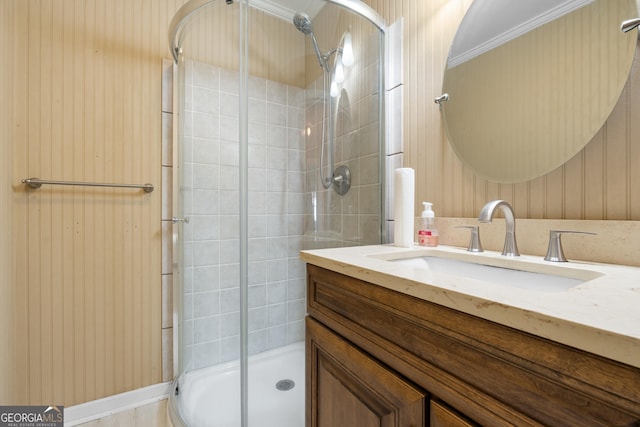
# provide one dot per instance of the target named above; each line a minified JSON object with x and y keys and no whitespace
{"x":529,"y":92}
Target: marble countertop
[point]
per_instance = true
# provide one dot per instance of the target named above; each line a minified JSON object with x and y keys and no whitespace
{"x":600,"y":315}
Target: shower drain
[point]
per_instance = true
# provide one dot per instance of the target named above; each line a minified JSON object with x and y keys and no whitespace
{"x":285,"y":385}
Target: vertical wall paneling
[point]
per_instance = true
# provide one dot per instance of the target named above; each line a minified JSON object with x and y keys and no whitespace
{"x":84,"y":101}
{"x":7,"y":359}
{"x":19,"y":133}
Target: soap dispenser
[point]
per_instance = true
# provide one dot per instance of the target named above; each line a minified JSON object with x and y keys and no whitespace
{"x":428,"y":233}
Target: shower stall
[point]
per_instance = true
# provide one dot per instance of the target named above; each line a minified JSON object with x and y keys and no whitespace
{"x":278,"y":148}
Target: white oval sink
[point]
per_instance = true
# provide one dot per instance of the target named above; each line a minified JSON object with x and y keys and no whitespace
{"x":497,"y":275}
{"x":514,"y":273}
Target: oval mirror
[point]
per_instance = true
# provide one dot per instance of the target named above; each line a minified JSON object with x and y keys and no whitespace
{"x":530,"y":82}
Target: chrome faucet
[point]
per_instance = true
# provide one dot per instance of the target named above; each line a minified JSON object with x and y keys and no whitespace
{"x":486,"y":215}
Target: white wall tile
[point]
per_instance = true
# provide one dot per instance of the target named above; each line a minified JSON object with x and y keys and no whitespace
{"x":277,"y":136}
{"x":257,"y":318}
{"x":205,"y":177}
{"x":257,"y":133}
{"x":257,"y":341}
{"x":295,"y":331}
{"x":276,"y":114}
{"x":276,"y":292}
{"x":257,"y":111}
{"x":229,"y":130}
{"x":167,"y":300}
{"x":167,"y":247}
{"x":205,"y":126}
{"x":276,"y":180}
{"x":167,"y":85}
{"x":206,"y":329}
{"x":229,"y":105}
{"x":229,"y":82}
{"x":205,"y":202}
{"x":167,"y":139}
{"x":276,"y":160}
{"x":167,"y":192}
{"x":296,"y":310}
{"x":277,"y":336}
{"x":277,"y":92}
{"x":257,"y":272}
{"x":393,"y":162}
{"x":296,"y":97}
{"x":277,"y":314}
{"x":230,"y":324}
{"x":394,"y":43}
{"x":394,"y":126}
{"x":205,"y":76}
{"x":206,"y":278}
{"x":295,"y":138}
{"x":206,"y":354}
{"x":296,"y":288}
{"x":230,"y":347}
{"x":257,"y":88}
{"x":205,"y":253}
{"x":257,"y":156}
{"x":206,"y":101}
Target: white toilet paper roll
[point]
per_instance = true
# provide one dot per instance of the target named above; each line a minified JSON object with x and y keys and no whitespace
{"x":403,"y":207}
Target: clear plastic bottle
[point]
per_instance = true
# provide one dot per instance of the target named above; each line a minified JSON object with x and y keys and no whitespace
{"x":428,"y":232}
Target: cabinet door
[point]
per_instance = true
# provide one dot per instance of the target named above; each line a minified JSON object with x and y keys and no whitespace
{"x":442,"y":416}
{"x":348,"y":388}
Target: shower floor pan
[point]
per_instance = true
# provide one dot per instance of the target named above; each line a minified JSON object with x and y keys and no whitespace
{"x":210,"y":397}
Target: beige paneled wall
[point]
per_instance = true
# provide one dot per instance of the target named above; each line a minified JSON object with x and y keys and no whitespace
{"x":6,"y":267}
{"x":86,"y":270}
{"x":600,"y":182}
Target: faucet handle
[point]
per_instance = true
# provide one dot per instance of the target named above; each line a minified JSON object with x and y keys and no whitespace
{"x":474,"y":242}
{"x":554,"y":251}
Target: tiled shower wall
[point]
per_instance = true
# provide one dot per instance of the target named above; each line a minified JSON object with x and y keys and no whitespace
{"x":289,"y":210}
{"x":210,"y":198}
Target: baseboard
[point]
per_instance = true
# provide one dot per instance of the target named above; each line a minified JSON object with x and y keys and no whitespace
{"x":100,"y":408}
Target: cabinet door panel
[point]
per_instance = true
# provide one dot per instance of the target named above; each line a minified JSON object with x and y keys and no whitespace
{"x":347,"y":388}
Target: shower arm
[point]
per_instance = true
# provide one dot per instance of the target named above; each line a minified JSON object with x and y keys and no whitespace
{"x":327,"y":55}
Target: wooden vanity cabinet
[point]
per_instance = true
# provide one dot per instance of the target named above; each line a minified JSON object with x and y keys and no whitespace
{"x":377,"y":357}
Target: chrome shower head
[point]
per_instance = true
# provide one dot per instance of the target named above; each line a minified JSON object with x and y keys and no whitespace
{"x":303,"y":23}
{"x":629,"y":25}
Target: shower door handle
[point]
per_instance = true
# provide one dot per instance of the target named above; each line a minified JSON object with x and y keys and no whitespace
{"x":176,"y":220}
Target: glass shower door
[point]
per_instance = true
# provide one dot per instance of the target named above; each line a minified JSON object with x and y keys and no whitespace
{"x":250,"y":131}
{"x":209,"y":189}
